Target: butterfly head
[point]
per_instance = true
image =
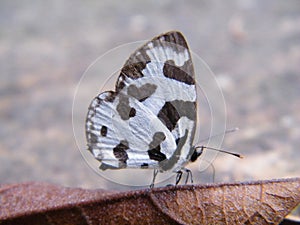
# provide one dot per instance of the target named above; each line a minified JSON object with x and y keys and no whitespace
{"x":197,"y":152}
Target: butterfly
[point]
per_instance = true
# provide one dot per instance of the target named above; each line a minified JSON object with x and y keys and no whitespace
{"x":149,"y":120}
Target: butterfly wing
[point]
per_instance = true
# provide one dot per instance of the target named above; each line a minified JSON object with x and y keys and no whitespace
{"x":122,"y":132}
{"x":158,"y":82}
{"x":161,"y":76}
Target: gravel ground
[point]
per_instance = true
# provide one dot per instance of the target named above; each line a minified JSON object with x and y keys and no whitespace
{"x":253,"y":48}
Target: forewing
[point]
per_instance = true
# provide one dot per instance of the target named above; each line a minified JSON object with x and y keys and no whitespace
{"x":160,"y":76}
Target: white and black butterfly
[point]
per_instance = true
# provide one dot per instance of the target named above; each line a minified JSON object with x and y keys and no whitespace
{"x":149,"y":120}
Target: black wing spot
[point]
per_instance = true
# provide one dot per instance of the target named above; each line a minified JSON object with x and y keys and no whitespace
{"x":144,"y":165}
{"x":154,"y":146}
{"x":172,"y":71}
{"x":103,"y":131}
{"x":169,"y":115}
{"x":120,"y":151}
{"x":156,"y":155}
{"x":172,"y":111}
{"x":132,"y":112}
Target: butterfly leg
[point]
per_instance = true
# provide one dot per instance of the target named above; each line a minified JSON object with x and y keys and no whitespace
{"x":188,"y":175}
{"x":178,"y":176}
{"x":155,"y":172}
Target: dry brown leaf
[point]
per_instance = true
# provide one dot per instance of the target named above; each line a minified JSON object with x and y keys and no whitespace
{"x":261,"y":202}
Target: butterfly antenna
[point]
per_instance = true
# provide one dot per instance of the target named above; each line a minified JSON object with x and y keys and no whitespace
{"x":221,"y":150}
{"x":219,"y":134}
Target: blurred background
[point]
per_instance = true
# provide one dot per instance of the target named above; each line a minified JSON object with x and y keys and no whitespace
{"x":252,"y":46}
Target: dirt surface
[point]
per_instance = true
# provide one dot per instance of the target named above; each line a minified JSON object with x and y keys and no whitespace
{"x":253,"y":48}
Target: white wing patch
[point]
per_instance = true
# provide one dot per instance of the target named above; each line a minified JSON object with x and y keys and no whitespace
{"x":149,"y":121}
{"x":162,"y":54}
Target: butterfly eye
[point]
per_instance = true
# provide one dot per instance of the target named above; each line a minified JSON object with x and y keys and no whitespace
{"x":196,"y":154}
